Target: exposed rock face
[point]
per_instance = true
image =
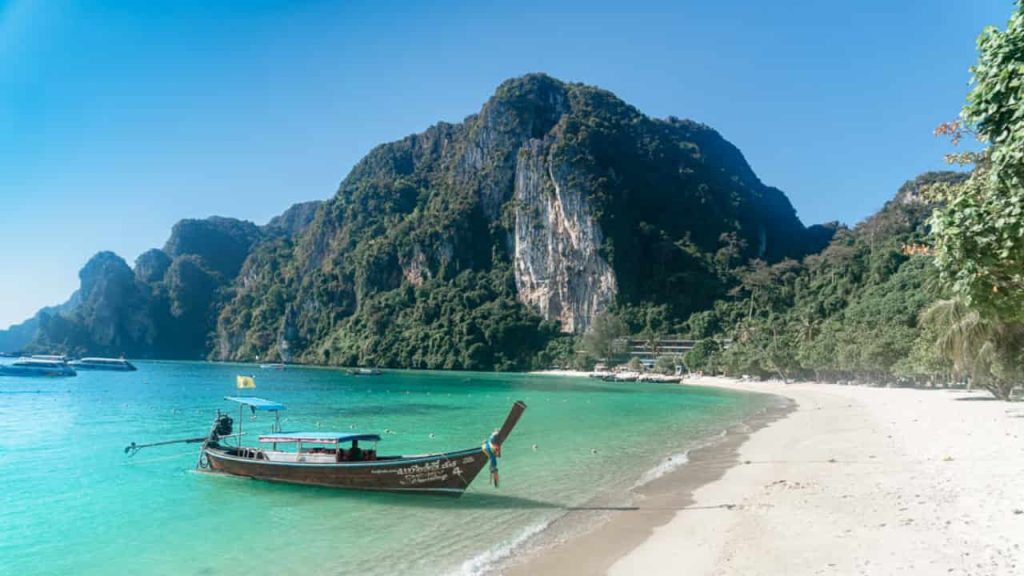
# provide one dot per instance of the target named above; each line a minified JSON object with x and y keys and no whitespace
{"x":558,"y":269}
{"x":113,"y":304}
{"x":487,"y":162}
{"x":111,"y":315}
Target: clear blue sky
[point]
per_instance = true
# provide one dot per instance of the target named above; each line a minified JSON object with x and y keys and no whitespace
{"x":119,"y":118}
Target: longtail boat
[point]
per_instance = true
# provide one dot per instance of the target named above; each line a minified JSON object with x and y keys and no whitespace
{"x":336,"y":460}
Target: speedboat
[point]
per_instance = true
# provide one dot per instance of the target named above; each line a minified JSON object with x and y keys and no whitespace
{"x":365,"y":372}
{"x":38,"y":367}
{"x":115,"y":364}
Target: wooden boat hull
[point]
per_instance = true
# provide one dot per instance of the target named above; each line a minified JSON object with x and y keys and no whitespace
{"x":448,"y":474}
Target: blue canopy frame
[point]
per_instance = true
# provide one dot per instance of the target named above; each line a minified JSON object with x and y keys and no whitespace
{"x":257,"y":403}
{"x":260,"y":404}
{"x":318,"y":437}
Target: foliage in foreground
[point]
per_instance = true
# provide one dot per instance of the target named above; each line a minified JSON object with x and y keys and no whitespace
{"x":979,"y":228}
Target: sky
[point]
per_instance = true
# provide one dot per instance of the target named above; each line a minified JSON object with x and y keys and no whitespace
{"x":118,"y":119}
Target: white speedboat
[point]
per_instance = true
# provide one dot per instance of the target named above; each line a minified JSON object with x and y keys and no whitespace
{"x":115,"y":364}
{"x":38,"y":367}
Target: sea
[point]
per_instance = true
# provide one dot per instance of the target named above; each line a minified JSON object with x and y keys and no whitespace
{"x":73,"y":502}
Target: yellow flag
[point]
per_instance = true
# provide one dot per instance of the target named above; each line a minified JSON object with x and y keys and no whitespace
{"x":245,"y":381}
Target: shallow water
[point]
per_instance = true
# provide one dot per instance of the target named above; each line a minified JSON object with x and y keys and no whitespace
{"x":71,"y":502}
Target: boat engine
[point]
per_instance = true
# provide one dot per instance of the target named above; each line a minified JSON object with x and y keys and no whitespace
{"x":223,"y":426}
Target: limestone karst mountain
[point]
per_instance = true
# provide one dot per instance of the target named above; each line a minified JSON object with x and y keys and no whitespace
{"x":471,"y":245}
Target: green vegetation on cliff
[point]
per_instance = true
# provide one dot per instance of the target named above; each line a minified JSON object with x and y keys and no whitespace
{"x":851,"y":311}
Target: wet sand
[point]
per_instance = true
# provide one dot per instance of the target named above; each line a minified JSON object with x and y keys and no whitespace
{"x":654,"y":504}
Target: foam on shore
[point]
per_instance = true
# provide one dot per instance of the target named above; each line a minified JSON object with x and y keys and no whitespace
{"x":492,"y":558}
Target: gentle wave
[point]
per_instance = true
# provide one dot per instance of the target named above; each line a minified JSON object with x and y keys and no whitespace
{"x":674,"y":462}
{"x":494,"y":557}
{"x":669,"y":464}
{"x":486,"y":561}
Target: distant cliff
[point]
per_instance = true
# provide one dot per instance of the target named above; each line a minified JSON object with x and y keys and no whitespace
{"x":468,"y":246}
{"x":166,"y":307}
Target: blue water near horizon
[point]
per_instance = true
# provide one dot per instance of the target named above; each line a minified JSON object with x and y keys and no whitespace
{"x":71,"y":502}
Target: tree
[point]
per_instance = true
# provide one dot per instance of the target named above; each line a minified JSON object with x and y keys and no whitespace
{"x":977,"y":230}
{"x":990,"y":352}
{"x":665,"y":365}
{"x":604,"y":340}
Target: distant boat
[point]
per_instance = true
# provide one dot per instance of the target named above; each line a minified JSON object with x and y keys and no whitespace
{"x":660,"y":378}
{"x":275,"y":366}
{"x":38,"y":367}
{"x":335,"y":459}
{"x":629,"y":376}
{"x":365,"y":372}
{"x":114,"y":364}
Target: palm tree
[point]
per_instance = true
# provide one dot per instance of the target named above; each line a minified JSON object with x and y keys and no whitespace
{"x":986,"y":350}
{"x":961,"y":332}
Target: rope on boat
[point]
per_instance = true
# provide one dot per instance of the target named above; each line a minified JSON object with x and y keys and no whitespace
{"x":492,"y":449}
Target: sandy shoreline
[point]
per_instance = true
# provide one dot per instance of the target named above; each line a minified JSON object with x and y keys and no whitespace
{"x":853,"y":480}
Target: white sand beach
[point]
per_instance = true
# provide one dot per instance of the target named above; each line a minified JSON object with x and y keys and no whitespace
{"x":855,"y":480}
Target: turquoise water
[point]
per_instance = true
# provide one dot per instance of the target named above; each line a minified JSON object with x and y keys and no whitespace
{"x":71,"y":502}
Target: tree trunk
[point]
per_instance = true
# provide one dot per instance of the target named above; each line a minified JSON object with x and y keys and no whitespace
{"x":1001,"y":390}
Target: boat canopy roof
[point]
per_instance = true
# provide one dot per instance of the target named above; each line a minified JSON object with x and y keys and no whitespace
{"x":41,"y":362}
{"x":257,"y":403}
{"x":319,"y":437}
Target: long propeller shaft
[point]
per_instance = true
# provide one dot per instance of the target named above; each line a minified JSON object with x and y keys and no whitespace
{"x":132,"y":448}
